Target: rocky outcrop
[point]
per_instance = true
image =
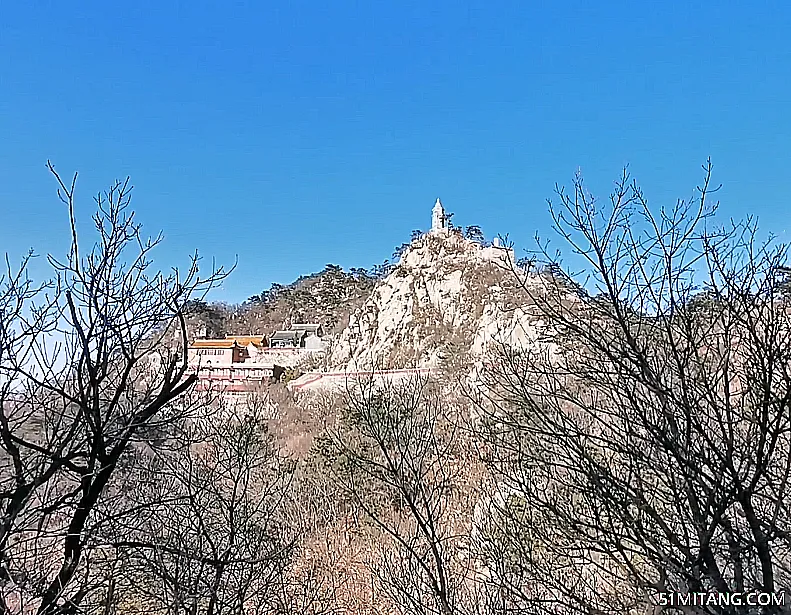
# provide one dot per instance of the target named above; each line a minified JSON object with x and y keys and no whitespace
{"x":446,"y":301}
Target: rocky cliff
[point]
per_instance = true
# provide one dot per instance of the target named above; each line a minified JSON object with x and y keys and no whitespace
{"x":443,"y":304}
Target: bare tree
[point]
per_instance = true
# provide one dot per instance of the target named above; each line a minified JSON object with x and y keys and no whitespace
{"x":642,"y":446}
{"x":394,"y":455}
{"x":84,"y":374}
{"x":210,"y":536}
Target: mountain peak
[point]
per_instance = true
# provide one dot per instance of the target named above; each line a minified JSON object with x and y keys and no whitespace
{"x":439,"y":303}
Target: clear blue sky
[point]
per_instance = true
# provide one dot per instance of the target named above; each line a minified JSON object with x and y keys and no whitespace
{"x":322,"y":132}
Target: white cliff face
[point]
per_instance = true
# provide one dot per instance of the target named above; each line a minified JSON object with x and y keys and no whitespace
{"x":448,"y":297}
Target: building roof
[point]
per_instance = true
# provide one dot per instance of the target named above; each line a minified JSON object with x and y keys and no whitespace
{"x":246,"y":340}
{"x":226,"y":343}
{"x":284,"y":335}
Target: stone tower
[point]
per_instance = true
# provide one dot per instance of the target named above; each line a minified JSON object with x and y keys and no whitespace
{"x":438,"y":218}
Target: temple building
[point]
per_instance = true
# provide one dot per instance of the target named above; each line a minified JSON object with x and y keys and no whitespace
{"x":239,"y":363}
{"x":231,"y":364}
{"x":225,"y":351}
{"x":300,"y":335}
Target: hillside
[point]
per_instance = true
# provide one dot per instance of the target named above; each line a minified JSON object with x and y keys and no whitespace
{"x":514,"y":431}
{"x":441,"y":305}
{"x":327,"y":297}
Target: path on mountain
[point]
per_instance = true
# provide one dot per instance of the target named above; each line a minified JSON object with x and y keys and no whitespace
{"x":319,"y":380}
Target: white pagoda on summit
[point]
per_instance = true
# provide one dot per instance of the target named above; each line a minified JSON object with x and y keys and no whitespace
{"x":438,"y":220}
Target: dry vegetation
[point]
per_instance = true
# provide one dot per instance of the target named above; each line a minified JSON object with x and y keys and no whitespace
{"x":326,"y":298}
{"x":640,"y":443}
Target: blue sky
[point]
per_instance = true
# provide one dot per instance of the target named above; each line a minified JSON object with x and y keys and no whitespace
{"x":295,"y":136}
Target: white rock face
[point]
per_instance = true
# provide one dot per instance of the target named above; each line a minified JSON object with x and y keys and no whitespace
{"x":447,"y":297}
